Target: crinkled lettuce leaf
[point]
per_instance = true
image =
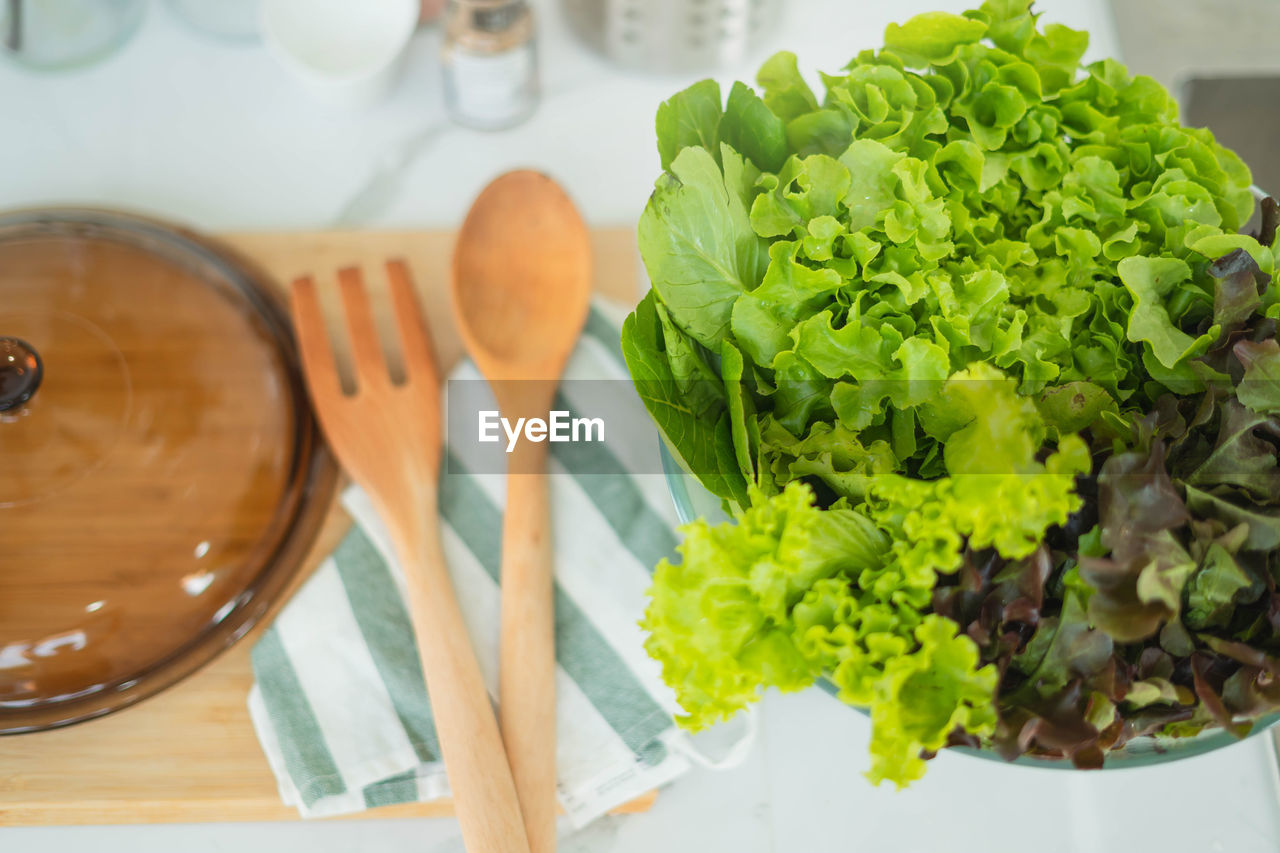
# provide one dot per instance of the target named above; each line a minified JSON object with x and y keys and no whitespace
{"x":700,"y":251}
{"x":787,"y":592}
{"x":720,"y":621}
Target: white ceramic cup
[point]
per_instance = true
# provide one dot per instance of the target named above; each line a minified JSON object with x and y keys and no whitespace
{"x":345,"y":52}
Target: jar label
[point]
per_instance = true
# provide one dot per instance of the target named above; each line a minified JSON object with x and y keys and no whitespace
{"x":495,"y":88}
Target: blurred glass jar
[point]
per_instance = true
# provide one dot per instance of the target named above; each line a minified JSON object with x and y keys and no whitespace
{"x":490,"y":63}
{"x":53,"y":35}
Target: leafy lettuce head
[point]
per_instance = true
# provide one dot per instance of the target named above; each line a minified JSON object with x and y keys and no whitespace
{"x":968,"y":193}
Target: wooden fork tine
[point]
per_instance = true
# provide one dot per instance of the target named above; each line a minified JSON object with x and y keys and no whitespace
{"x":370,"y":366}
{"x":415,"y":337}
{"x":313,"y":339}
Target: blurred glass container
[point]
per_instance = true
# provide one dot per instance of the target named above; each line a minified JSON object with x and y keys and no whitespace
{"x":673,"y":35}
{"x":55,"y":35}
{"x":490,"y":63}
{"x":163,"y":476}
{"x":224,"y":20}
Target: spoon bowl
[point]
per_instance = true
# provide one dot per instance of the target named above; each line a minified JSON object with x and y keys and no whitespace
{"x":522,"y":278}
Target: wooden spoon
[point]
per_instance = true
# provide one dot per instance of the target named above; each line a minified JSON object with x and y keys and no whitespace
{"x":521,"y":288}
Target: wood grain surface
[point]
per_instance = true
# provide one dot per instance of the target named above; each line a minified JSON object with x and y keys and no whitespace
{"x":189,"y":754}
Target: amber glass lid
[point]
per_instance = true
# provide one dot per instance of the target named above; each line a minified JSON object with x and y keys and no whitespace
{"x":160,"y":473}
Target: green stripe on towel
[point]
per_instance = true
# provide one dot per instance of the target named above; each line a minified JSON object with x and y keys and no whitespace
{"x":599,"y":327}
{"x":306,"y":755}
{"x":610,"y":486}
{"x":616,"y":495}
{"x":608,"y":683}
{"x":402,"y":788}
{"x":388,"y":632}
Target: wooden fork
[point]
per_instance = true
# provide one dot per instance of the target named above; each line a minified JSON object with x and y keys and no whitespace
{"x":388,"y":438}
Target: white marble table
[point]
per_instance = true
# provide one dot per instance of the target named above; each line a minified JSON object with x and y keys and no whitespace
{"x":217,"y":136}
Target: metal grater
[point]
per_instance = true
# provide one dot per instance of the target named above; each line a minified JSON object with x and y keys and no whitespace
{"x":673,"y":35}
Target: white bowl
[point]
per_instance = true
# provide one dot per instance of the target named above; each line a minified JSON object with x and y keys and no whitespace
{"x":344,"y":52}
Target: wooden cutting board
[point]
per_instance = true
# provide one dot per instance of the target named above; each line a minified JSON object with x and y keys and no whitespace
{"x":190,"y":754}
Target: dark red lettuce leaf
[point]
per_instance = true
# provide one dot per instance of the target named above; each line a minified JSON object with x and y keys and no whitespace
{"x":1266,"y":233}
{"x":1244,"y":454}
{"x":1252,"y":692}
{"x":1155,"y":609}
{"x":1136,"y":500}
{"x":1239,"y":288}
{"x":1208,"y":685}
{"x":1139,"y":586}
{"x":1066,"y":647}
{"x":1243,"y":653}
{"x":1232,"y":507}
{"x":1063,"y":725}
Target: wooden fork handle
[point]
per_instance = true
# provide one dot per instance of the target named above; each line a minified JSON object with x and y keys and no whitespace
{"x":484,"y":793}
{"x":526,"y":682}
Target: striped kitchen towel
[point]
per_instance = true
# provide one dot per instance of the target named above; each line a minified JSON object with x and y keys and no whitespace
{"x":339,"y":702}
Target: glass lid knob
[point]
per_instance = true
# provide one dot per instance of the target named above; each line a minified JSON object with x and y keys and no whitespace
{"x":20,"y":372}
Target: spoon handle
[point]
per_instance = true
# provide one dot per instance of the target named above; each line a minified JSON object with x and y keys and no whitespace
{"x":527,"y":697}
